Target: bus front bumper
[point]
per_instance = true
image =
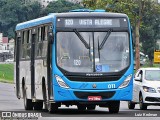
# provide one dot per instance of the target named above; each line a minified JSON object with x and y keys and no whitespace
{"x":62,"y":94}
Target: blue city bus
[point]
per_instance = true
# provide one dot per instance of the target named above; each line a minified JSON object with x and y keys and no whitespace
{"x":82,"y":58}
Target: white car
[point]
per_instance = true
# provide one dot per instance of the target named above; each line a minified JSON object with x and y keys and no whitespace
{"x":146,"y":88}
{"x":9,"y":60}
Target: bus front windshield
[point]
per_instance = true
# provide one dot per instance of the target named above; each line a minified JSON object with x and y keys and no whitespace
{"x":92,"y":51}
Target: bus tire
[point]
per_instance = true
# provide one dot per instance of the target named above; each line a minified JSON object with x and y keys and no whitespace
{"x":81,"y":107}
{"x":44,"y":95}
{"x":28,"y":104}
{"x":91,"y":107}
{"x":38,"y":105}
{"x":114,"y":106}
{"x":52,"y":107}
{"x":131,"y":105}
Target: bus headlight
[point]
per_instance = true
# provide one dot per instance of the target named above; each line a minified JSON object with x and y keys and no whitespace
{"x":126,"y":81}
{"x":60,"y":82}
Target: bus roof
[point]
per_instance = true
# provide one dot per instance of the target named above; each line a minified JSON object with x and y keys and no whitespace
{"x":50,"y":18}
{"x":35,"y":22}
{"x":87,"y":10}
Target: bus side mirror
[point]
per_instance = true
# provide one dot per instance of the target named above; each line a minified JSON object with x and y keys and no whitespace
{"x":51,"y":37}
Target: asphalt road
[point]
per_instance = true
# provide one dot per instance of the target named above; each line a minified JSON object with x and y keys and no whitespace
{"x":9,"y":103}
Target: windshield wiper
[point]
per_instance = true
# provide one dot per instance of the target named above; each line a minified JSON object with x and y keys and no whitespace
{"x":81,"y":38}
{"x":98,"y":49}
{"x":105,"y":39}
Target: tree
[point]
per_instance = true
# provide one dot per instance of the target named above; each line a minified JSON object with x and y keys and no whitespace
{"x":150,"y":30}
{"x":29,"y":11}
{"x":96,"y":4}
{"x":2,"y":2}
{"x":60,"y":6}
{"x":7,"y":15}
{"x":13,"y":12}
{"x":135,"y":9}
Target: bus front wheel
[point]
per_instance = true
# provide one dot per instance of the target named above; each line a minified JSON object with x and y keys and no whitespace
{"x":52,"y":107}
{"x":131,"y":105}
{"x":81,"y":107}
{"x":114,"y":106}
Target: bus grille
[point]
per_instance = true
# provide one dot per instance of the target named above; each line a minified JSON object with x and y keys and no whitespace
{"x":84,"y":95}
{"x":93,"y":79}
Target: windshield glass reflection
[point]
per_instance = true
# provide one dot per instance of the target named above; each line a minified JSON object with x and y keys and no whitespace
{"x":74,"y":56}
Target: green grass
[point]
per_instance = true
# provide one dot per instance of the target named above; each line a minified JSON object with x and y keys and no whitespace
{"x":6,"y":73}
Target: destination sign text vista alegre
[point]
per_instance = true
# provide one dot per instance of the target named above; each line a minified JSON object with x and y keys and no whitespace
{"x":92,"y":22}
{"x":89,"y":22}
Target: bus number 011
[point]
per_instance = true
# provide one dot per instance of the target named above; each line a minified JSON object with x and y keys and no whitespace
{"x":111,"y":86}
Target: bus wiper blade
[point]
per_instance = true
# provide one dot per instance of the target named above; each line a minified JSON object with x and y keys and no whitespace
{"x":98,"y":49}
{"x":89,"y":50}
{"x":82,"y":39}
{"x":105,"y":39}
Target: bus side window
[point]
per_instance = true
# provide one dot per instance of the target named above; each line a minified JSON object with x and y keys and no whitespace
{"x":45,"y":42}
{"x":42,"y":41}
{"x":24,"y":44}
{"x":39,"y":43}
{"x":28,"y":54}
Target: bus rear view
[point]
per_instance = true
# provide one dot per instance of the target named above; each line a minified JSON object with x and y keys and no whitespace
{"x":90,"y":61}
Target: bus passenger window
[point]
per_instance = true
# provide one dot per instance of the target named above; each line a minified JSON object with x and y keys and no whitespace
{"x":46,"y":33}
{"x":39,"y":49}
{"x":23,"y":46}
{"x":39,"y":43}
{"x":44,"y":48}
{"x":45,"y":42}
{"x":43,"y":33}
{"x":28,"y":46}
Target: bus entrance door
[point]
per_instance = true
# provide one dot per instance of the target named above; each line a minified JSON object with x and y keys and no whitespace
{"x":33,"y":40}
{"x":18,"y":43}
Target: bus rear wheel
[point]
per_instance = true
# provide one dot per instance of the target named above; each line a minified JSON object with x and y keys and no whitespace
{"x":114,"y":106}
{"x":38,"y":105}
{"x":28,"y":104}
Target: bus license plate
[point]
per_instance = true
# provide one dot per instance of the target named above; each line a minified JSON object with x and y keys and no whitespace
{"x":94,"y":98}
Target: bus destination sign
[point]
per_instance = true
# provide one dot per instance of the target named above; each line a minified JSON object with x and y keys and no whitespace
{"x":91,"y":22}
{"x":88,"y":22}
